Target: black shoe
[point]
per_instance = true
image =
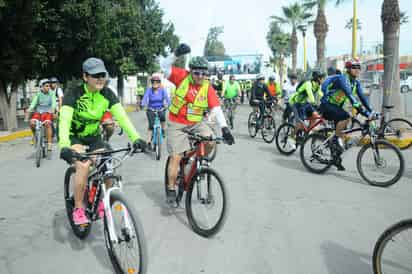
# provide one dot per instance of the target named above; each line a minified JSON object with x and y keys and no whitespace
{"x":163,"y":134}
{"x":171,"y":196}
{"x":338,"y":164}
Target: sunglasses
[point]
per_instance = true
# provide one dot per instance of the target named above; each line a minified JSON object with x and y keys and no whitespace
{"x":199,"y":73}
{"x":100,"y":75}
{"x":155,"y":81}
{"x":46,"y":86}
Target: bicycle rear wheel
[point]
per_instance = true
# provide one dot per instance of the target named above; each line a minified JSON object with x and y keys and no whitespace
{"x":392,"y":252}
{"x":251,"y":124}
{"x":315,"y":154}
{"x":381,"y":164}
{"x":398,"y":131}
{"x":286,"y":139}
{"x":206,"y":203}
{"x":268,"y":129}
{"x":83,"y":230}
{"x":128,"y":253}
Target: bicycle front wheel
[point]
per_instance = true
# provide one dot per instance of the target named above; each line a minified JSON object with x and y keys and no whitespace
{"x":392,"y":252}
{"x":316,"y":153}
{"x":157,"y":145}
{"x":268,"y":129}
{"x":380,"y":164}
{"x":251,"y":124}
{"x":398,"y":131}
{"x":128,"y":253}
{"x":286,"y":139}
{"x":38,"y":152}
{"x":206,"y":203}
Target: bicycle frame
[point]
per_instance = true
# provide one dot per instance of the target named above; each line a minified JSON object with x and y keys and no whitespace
{"x":199,"y":153}
{"x":320,"y":120}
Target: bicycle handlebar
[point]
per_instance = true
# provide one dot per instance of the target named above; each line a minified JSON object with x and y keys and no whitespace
{"x":201,"y":138}
{"x":87,"y":156}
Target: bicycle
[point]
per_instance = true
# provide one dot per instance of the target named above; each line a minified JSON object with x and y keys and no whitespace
{"x":396,"y":129}
{"x":201,"y":183}
{"x":157,"y":133}
{"x":288,"y":138}
{"x":40,"y":143}
{"x":268,"y":125}
{"x":392,"y":252}
{"x":120,"y":222}
{"x":229,"y":108}
{"x":324,"y":152}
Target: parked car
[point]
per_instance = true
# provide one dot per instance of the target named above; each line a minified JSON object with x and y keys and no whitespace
{"x":406,"y":85}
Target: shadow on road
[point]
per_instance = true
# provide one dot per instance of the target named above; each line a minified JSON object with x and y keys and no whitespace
{"x":342,"y":260}
{"x":63,"y":234}
{"x":155,"y":191}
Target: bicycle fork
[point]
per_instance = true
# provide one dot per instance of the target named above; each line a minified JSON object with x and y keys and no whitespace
{"x":108,"y":212}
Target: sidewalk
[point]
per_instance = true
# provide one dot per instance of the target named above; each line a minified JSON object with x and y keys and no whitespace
{"x":24,"y":131}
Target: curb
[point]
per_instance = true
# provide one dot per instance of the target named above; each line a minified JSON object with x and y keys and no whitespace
{"x":27,"y":132}
{"x":15,"y":135}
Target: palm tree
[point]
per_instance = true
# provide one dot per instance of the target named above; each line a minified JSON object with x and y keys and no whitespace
{"x":391,"y":19}
{"x":279,"y":44}
{"x":294,"y":15}
{"x":320,"y":28}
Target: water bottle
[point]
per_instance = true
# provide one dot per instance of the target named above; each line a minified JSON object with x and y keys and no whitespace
{"x":92,"y":192}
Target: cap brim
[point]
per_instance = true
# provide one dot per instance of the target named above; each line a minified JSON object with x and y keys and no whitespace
{"x":97,"y":70}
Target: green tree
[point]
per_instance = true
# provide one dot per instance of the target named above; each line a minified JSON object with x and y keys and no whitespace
{"x":279,"y":44}
{"x":213,"y":46}
{"x":294,"y":15}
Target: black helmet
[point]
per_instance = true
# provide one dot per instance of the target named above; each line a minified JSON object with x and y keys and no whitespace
{"x":317,"y":75}
{"x":198,"y":63}
{"x":293,"y":76}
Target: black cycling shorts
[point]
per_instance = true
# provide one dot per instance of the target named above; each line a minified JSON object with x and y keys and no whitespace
{"x":93,"y":142}
{"x":151,"y":117}
{"x":333,"y":112}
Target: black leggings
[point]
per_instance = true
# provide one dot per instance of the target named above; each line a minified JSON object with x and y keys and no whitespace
{"x":151,"y":117}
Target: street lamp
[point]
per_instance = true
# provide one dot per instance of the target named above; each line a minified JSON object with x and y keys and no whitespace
{"x":303,"y":29}
{"x":354,"y":29}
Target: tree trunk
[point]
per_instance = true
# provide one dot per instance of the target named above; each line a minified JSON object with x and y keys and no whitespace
{"x":8,"y":107}
{"x":320,"y":30}
{"x":390,"y":26}
{"x":294,"y":47}
{"x":281,"y":70}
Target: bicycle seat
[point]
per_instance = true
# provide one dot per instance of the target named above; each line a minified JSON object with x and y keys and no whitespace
{"x":388,"y":107}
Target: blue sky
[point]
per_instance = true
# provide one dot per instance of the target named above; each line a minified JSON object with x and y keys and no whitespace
{"x":246,"y":24}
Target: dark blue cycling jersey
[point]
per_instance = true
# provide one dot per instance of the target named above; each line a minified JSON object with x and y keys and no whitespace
{"x":339,"y":87}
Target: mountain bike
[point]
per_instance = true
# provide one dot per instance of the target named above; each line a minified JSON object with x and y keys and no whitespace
{"x":204,"y":188}
{"x":157,"y":133}
{"x":288,"y":138}
{"x":265,"y":124}
{"x":393,"y":250}
{"x":123,"y":232}
{"x":385,"y":161}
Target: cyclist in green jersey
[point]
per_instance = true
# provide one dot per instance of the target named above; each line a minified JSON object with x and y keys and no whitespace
{"x":83,"y":107}
{"x":303,"y":100}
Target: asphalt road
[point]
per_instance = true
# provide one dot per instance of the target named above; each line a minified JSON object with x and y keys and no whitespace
{"x":281,"y":219}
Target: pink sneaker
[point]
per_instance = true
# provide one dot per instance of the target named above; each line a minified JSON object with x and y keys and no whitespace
{"x":100,"y":209}
{"x":79,"y":216}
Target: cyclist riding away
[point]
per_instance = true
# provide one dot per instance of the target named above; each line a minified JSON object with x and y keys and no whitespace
{"x":259,"y":90}
{"x":303,"y":101}
{"x":83,"y":108}
{"x":192,"y":98}
{"x":338,"y":89}
{"x":155,"y":98}
{"x":43,"y":105}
